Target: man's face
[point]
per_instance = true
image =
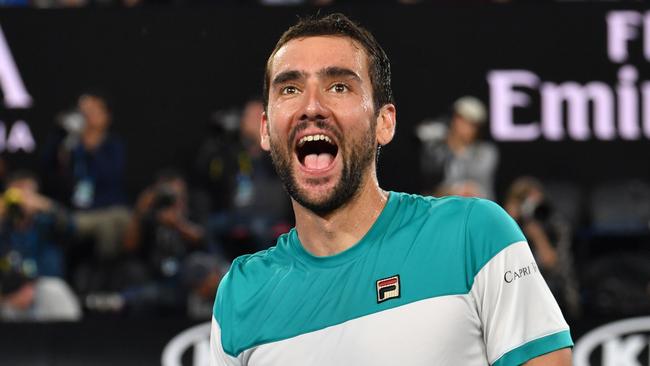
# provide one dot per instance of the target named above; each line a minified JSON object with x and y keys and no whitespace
{"x":320,"y":124}
{"x":94,"y":111}
{"x":464,"y":129}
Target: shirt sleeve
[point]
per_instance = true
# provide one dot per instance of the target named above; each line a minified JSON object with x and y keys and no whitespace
{"x":520,"y":318}
{"x":218,"y":356}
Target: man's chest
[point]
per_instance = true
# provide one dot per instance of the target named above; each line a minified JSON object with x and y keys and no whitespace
{"x":437,"y":331}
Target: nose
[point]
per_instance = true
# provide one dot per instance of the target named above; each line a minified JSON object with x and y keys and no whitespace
{"x":314,"y":105}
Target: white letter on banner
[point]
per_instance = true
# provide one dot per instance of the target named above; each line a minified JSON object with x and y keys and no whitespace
{"x":3,"y":136}
{"x":504,"y":98}
{"x":623,"y":352}
{"x":645,"y":105}
{"x":15,"y":93}
{"x":628,"y":103}
{"x":621,"y":28}
{"x":577,"y":99}
{"x":20,"y":138}
{"x":646,"y":36}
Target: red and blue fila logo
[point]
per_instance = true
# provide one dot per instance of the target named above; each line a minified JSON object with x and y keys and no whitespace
{"x":387,"y":288}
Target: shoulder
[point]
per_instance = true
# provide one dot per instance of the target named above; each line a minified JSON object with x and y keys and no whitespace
{"x":477,"y":228}
{"x":244,"y":292}
{"x":429,"y":205}
{"x":484,"y":221}
{"x":488,"y":230}
{"x":488,"y":221}
{"x":248,"y":274}
{"x":448,"y":214}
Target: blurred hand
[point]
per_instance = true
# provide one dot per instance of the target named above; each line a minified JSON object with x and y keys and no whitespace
{"x":145,"y":201}
{"x":169,"y":217}
{"x":33,"y":202}
{"x":21,"y":299}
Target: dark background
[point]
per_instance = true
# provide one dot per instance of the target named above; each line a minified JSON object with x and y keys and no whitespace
{"x":167,"y":69}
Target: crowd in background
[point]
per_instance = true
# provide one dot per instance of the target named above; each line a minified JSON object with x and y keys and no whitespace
{"x":71,"y":244}
{"x":70,"y":241}
{"x":45,"y":4}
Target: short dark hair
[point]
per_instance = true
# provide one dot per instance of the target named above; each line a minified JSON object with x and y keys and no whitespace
{"x":338,"y":24}
{"x":168,"y":174}
{"x":101,"y":94}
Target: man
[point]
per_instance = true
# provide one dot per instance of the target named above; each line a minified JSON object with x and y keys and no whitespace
{"x":453,"y":158}
{"x":369,"y":277}
{"x":33,"y":231}
{"x":249,"y":207}
{"x":86,"y":170}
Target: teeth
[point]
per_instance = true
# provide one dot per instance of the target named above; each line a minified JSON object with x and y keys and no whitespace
{"x":314,"y":138}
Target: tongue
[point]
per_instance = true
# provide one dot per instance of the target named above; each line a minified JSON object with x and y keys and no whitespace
{"x":318,"y":161}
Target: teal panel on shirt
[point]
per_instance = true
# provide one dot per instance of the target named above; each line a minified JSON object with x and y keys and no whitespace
{"x":436,"y":246}
{"x":535,"y":348}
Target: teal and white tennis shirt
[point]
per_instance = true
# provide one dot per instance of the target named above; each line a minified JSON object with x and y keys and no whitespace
{"x":447,"y":281}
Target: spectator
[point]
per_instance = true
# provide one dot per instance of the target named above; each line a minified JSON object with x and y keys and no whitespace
{"x":87,"y":165}
{"x":160,"y":235}
{"x":33,"y":231}
{"x":250,"y":208}
{"x":33,"y":226}
{"x":549,"y":236}
{"x":452,"y":154}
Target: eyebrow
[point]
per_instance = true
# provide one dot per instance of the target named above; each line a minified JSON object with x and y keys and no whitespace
{"x":337,"y":72}
{"x":330,"y":72}
{"x":285,"y":76}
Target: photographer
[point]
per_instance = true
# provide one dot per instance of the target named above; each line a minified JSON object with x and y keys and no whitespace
{"x":249,"y":208}
{"x":159,"y":236}
{"x":32,"y":232}
{"x":549,"y":236}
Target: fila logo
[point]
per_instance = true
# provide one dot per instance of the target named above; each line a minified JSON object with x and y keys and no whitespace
{"x":387,"y":288}
{"x":13,"y":88}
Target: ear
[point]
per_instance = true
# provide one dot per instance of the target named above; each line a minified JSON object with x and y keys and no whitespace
{"x":386,"y":120}
{"x":264,"y":133}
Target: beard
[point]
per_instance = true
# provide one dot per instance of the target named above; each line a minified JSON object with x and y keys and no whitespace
{"x":356,"y":160}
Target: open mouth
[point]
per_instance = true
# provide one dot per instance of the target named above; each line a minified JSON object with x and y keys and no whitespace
{"x":316,"y":152}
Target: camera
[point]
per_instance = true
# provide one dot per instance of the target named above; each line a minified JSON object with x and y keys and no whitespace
{"x":12,"y":200}
{"x":165,"y":197}
{"x":536,"y":210}
{"x":15,"y":272}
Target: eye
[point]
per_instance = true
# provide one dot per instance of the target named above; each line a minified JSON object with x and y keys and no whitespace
{"x":289,"y":90}
{"x":339,"y":88}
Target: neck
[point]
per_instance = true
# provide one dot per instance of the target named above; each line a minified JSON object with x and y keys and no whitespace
{"x":337,"y":231}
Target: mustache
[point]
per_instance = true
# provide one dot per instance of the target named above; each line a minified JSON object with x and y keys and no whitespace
{"x":318,"y":123}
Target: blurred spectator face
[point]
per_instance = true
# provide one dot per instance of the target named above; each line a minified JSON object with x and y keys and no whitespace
{"x":24,"y":185}
{"x":179,"y":187}
{"x":250,"y":121}
{"x":95,"y":112}
{"x":464,"y":129}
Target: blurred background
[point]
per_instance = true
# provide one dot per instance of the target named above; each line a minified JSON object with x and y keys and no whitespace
{"x":131,"y":175}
